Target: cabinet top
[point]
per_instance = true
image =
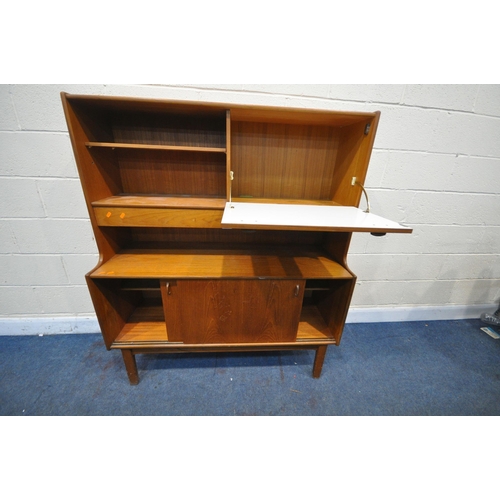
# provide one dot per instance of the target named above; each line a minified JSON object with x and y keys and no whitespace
{"x":238,"y":112}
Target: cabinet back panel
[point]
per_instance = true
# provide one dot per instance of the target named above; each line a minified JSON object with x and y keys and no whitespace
{"x":284,"y":161}
{"x":172,"y":172}
{"x":228,"y":238}
{"x":95,"y":122}
{"x":175,"y":130}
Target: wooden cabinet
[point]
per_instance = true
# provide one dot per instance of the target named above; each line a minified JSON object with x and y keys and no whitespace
{"x":221,"y":227}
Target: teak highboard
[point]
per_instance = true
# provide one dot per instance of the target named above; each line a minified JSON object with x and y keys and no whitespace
{"x":221,"y":227}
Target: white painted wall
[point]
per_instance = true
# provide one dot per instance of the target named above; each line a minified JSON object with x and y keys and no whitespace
{"x":435,"y":166}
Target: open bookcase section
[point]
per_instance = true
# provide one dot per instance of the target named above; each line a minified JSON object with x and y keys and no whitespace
{"x":306,"y":162}
{"x":128,"y":121}
{"x":221,"y":227}
{"x":151,"y":172}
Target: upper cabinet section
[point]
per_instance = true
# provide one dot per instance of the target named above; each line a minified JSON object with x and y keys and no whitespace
{"x":143,"y":148}
{"x":145,"y":156}
{"x":300,"y":155}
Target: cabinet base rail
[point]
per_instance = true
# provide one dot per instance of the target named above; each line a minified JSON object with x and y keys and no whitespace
{"x":133,"y":374}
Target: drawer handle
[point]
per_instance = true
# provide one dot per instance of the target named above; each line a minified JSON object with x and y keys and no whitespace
{"x":297,"y":290}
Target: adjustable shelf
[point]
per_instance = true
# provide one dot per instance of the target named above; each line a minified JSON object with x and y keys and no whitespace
{"x":157,"y":147}
{"x":158,"y":201}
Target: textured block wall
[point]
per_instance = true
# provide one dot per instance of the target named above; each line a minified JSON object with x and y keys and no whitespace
{"x":435,"y":166}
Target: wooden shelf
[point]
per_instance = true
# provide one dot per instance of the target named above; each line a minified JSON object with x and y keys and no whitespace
{"x":156,"y":147}
{"x":312,"y":326}
{"x":145,"y":201}
{"x":269,"y":262}
{"x":146,"y":326}
{"x":284,"y":201}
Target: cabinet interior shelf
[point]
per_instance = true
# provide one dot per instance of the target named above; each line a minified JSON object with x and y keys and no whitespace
{"x":248,"y":263}
{"x":151,"y":201}
{"x":146,"y":327}
{"x":156,"y":147}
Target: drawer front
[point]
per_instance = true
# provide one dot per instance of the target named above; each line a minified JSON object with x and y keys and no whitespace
{"x":157,"y":217}
{"x":232,"y":311}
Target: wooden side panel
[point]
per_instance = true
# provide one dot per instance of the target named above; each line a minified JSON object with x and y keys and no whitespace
{"x":112,"y":308}
{"x":97,"y":180}
{"x":352,"y":161}
{"x":334,"y":305}
{"x":232,"y":311}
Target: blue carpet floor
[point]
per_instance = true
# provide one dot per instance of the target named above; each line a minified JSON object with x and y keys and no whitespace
{"x":411,"y":368}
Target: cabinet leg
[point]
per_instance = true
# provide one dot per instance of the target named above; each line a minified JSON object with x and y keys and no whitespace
{"x":318,"y":360}
{"x":131,"y":366}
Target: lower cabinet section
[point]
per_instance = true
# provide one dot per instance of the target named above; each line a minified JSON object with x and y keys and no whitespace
{"x":161,"y":312}
{"x":215,"y":315}
{"x":232,"y":311}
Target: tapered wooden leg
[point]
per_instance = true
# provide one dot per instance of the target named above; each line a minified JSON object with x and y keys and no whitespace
{"x":318,"y":360}
{"x":131,"y":366}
